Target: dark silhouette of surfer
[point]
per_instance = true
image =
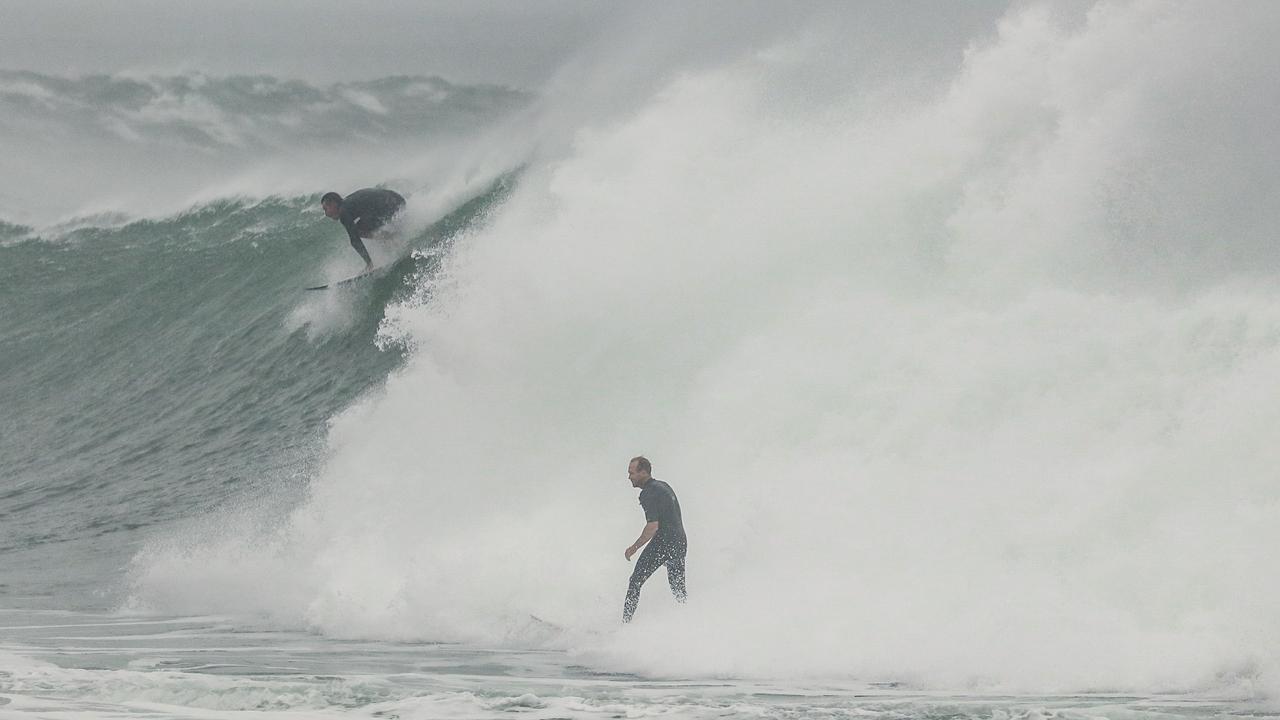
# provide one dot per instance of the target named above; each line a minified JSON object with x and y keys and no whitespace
{"x":361,"y":213}
{"x":663,"y":534}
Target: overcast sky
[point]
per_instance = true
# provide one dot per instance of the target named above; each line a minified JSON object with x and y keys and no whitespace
{"x":467,"y":41}
{"x":520,"y":43}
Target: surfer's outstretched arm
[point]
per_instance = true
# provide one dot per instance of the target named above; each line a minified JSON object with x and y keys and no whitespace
{"x":358,"y":244}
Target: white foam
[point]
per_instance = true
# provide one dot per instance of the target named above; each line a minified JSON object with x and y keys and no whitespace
{"x":946,"y":394}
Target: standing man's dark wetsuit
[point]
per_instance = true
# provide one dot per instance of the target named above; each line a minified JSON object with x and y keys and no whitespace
{"x":667,"y":546}
{"x":361,"y":213}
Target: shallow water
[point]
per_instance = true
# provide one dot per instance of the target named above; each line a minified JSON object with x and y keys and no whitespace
{"x":80,"y":665}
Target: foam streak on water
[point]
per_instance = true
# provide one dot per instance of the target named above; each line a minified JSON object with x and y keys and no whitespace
{"x":69,"y":666}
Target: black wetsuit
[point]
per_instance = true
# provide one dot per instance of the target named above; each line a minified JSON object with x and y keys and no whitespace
{"x":364,"y":211}
{"x":668,"y":546}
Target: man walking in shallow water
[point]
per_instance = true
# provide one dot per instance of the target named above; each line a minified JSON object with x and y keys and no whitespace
{"x":663,"y":533}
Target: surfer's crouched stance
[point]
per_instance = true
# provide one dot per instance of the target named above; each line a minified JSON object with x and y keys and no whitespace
{"x":361,"y":213}
{"x":664,"y":527}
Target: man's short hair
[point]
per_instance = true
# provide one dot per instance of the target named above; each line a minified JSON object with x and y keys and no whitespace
{"x":642,"y":464}
{"x":331,"y":197}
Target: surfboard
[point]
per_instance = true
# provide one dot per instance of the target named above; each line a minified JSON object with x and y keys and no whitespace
{"x":342,"y":282}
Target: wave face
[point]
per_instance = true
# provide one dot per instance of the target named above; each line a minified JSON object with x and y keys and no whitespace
{"x":160,"y":369}
{"x":962,"y":380}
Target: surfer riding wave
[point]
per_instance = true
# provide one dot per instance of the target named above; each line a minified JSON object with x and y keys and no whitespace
{"x":361,"y":213}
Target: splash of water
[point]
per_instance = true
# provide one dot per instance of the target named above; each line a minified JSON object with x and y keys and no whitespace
{"x":962,"y":389}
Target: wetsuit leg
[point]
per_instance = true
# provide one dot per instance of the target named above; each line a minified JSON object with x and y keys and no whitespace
{"x":366,"y":225}
{"x":675,"y":575}
{"x":650,"y":560}
{"x":374,"y":221}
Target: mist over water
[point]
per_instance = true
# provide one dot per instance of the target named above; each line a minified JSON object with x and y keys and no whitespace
{"x":961,"y":376}
{"x":132,"y":145}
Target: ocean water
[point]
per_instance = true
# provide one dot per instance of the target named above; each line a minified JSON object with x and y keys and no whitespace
{"x":960,"y":350}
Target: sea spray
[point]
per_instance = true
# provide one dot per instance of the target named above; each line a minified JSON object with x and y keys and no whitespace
{"x":947,"y":396}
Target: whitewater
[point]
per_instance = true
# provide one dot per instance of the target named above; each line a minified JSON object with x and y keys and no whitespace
{"x":958,"y":350}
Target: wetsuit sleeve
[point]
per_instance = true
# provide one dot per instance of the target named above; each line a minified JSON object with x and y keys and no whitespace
{"x":652,"y":507}
{"x":356,"y":242}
